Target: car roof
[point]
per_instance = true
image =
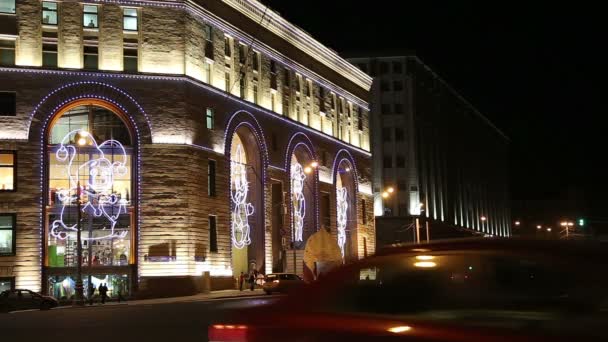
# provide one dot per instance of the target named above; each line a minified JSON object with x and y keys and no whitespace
{"x":548,"y":246}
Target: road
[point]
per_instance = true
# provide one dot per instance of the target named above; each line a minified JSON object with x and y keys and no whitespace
{"x":168,"y":322}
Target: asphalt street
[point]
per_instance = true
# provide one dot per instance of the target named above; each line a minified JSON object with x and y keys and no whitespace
{"x":168,"y":322}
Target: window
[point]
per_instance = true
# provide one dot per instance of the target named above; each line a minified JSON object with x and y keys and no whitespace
{"x":385,"y":108}
{"x":7,"y":6}
{"x":360,"y":119}
{"x":8,"y":104}
{"x":209,"y":51}
{"x":399,"y":134}
{"x":364,"y":211}
{"x":130,"y":60}
{"x":49,"y":13}
{"x":255,"y":63}
{"x":321,"y":99}
{"x":212,"y":233}
{"x":129,"y":19}
{"x":227,"y":47}
{"x":397,"y":68}
{"x":91,"y":60}
{"x":211,"y":178}
{"x":287,"y":77}
{"x":210,"y":119}
{"x":7,"y":52}
{"x":89,"y":17}
{"x":309,"y":88}
{"x":398,"y":108}
{"x":242,"y":53}
{"x":385,"y":86}
{"x":383,"y":68}
{"x":206,"y":72}
{"x":387,"y":162}
{"x":273,"y":75}
{"x":49,"y":55}
{"x":7,"y":234}
{"x":7,"y":284}
{"x":386,"y":134}
{"x":397,"y":85}
{"x":400,"y":161}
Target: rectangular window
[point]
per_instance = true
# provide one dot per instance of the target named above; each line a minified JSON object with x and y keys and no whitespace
{"x":363,"y":211}
{"x":210,"y":119}
{"x":255,"y":63}
{"x":130,"y":60}
{"x":397,"y":67}
{"x":212,"y":234}
{"x":400,"y":161}
{"x":242,"y":53}
{"x":273,"y":75}
{"x":129,"y":19}
{"x":321,"y":99}
{"x":7,"y":283}
{"x":49,"y":13}
{"x":387,"y":162}
{"x":399,"y":136}
{"x":7,"y":6}
{"x":211,"y":178}
{"x":287,"y":78}
{"x":209,"y":51}
{"x":298,"y":83}
{"x":397,"y":86}
{"x":227,"y":46}
{"x":385,"y":108}
{"x":49,"y":55}
{"x":7,"y":52}
{"x":360,"y":119}
{"x":7,"y":234}
{"x":398,"y":108}
{"x":206,"y":72}
{"x":90,"y":16}
{"x":8,"y":104}
{"x":91,"y":59}
{"x":309,"y":88}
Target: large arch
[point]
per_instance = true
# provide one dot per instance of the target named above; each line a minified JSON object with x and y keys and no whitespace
{"x":344,"y":175}
{"x":120,"y":103}
{"x":247,"y":160}
{"x":300,"y":150}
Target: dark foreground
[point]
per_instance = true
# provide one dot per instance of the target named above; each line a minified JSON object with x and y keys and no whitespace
{"x":170,"y":322}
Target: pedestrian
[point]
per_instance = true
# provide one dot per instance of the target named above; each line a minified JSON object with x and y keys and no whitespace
{"x":251,"y":280}
{"x":91,"y":292}
{"x":241,"y":281}
{"x":103,"y":291}
{"x":120,"y":297}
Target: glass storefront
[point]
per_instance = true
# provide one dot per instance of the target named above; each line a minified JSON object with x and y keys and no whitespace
{"x":89,"y":168}
{"x":63,"y":287}
{"x":6,"y":284}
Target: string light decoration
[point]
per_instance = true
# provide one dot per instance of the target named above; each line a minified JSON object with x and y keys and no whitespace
{"x":241,"y":209}
{"x":342,"y":216}
{"x":98,"y":193}
{"x":298,"y":200}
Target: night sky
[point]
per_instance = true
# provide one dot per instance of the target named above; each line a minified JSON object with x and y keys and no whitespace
{"x":532,"y":69}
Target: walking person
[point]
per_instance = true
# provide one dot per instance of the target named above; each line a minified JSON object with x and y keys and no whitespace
{"x":241,"y":281}
{"x":103,"y":291}
{"x":251,"y":280}
{"x":91,"y":292}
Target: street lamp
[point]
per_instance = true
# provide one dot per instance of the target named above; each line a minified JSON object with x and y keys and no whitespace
{"x":517,"y":223}
{"x":567,"y":225}
{"x":539,"y":227}
{"x":549,"y":229}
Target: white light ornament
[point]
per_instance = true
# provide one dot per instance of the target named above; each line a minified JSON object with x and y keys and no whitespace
{"x":298,"y":200}
{"x":342,"y":216}
{"x":239,"y":191}
{"x":97,"y":195}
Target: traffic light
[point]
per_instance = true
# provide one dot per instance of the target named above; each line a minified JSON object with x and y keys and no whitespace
{"x":581,"y":222}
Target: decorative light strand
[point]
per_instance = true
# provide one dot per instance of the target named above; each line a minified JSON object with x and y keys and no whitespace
{"x":241,"y":209}
{"x":98,"y":190}
{"x":298,"y":200}
{"x":342,"y":216}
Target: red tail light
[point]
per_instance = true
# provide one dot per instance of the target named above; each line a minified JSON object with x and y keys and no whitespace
{"x":227,"y":333}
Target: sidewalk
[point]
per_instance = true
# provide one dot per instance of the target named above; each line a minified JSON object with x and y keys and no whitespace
{"x":222,"y":294}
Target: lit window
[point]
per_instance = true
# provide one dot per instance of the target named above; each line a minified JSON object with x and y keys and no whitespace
{"x":7,"y":234}
{"x":129,"y":19}
{"x":210,"y":118}
{"x":7,"y":171}
{"x":49,"y":13}
{"x":89,"y":17}
{"x":209,"y":49}
{"x":7,"y":6}
{"x":227,"y":47}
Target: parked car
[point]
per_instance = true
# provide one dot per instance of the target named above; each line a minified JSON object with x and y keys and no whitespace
{"x":19,"y":299}
{"x":468,"y":290}
{"x":281,"y":282}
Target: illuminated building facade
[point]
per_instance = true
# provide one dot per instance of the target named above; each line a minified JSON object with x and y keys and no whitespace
{"x":179,"y":137}
{"x":447,"y":163}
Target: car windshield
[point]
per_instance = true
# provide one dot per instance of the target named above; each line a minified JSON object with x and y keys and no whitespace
{"x":486,"y":289}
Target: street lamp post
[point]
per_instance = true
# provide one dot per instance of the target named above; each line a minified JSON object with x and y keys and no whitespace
{"x":567,"y":225}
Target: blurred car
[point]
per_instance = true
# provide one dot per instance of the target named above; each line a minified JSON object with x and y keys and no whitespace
{"x":467,"y":290}
{"x":11,"y":300}
{"x":281,"y":282}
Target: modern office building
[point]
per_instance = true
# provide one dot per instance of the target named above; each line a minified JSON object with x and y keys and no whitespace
{"x":447,"y":163}
{"x":178,"y":137}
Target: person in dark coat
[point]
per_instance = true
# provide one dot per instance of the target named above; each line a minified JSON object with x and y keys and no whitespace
{"x":103,"y":292}
{"x":91,"y":293}
{"x":241,"y":281}
{"x":251,"y":280}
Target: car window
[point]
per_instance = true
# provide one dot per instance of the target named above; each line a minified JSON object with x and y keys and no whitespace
{"x":24,"y":295}
{"x":271,"y":277}
{"x":474,"y":289}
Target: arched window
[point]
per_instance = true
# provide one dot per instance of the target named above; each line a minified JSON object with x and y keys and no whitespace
{"x":89,"y":167}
